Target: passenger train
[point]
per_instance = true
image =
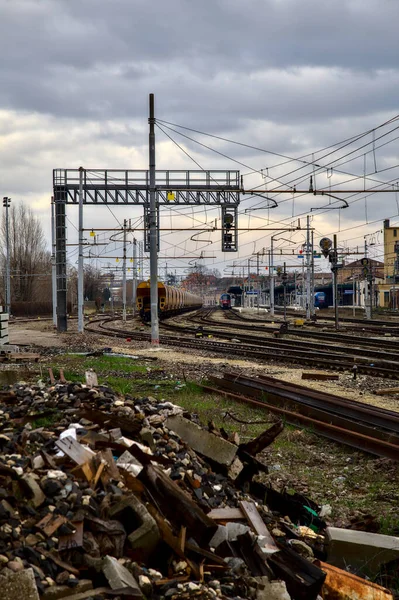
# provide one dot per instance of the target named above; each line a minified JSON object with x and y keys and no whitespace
{"x":171,"y":301}
{"x":225,"y":301}
{"x":320,"y":300}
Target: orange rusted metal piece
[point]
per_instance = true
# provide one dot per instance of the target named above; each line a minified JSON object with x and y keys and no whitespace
{"x":341,"y":585}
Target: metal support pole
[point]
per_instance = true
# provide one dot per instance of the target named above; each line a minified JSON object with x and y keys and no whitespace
{"x":258,"y":296}
{"x":249,"y":284}
{"x":53,"y":265}
{"x":312,"y":307}
{"x":366,"y":288}
{"x":134,"y":287}
{"x":271,"y":278}
{"x":335,"y":275}
{"x":153,"y":231}
{"x":6,"y":204}
{"x":308,"y":298}
{"x":80,"y":259}
{"x":60,"y":263}
{"x":285,"y":292}
{"x":124,"y":273}
{"x":353,"y":296}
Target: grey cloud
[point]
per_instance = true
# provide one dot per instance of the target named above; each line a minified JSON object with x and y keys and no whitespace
{"x":94,"y":60}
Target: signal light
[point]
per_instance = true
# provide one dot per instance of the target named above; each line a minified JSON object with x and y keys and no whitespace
{"x":228,"y":220}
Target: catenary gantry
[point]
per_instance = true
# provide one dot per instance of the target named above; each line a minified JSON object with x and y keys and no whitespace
{"x":132,"y":187}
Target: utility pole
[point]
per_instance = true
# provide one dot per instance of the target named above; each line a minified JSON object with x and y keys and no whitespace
{"x":80,"y":259}
{"x":6,"y":205}
{"x":271,"y":277}
{"x":249,"y":284}
{"x":134,"y":286}
{"x":153,"y":230}
{"x":312,"y":309}
{"x":258,"y":283}
{"x":53,"y":265}
{"x":124,"y":274}
{"x":308,"y":298}
{"x":334,"y":269}
{"x":284,"y":278}
{"x":366,"y":287}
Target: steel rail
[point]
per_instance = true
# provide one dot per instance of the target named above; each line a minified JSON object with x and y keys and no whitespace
{"x":359,"y":412}
{"x":333,"y":432}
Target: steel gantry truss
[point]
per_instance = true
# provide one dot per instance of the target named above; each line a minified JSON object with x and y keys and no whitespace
{"x":119,"y":186}
{"x":125,"y":187}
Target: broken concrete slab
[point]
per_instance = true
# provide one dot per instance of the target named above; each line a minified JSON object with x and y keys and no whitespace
{"x":20,"y":585}
{"x":57,"y":592}
{"x":38,"y":496}
{"x":140,"y":526}
{"x":271,"y":590}
{"x":235,"y":468}
{"x":360,"y":550}
{"x":228,"y":532}
{"x":203,"y":442}
{"x":119,"y":578}
{"x":130,"y":464}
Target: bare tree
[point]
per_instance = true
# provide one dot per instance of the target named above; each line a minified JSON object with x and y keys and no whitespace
{"x":93,"y":284}
{"x":30,"y":261}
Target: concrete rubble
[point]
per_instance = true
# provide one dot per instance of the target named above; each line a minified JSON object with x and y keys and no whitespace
{"x":103,"y":496}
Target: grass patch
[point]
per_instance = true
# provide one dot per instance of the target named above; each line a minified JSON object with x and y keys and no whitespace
{"x":99,"y":363}
{"x":46,"y":421}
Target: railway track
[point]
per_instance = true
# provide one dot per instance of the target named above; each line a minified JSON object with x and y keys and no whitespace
{"x":350,"y":340}
{"x":247,"y":350}
{"x":312,"y":349}
{"x":386,"y":349}
{"x":361,"y":426}
{"x":372,"y":326}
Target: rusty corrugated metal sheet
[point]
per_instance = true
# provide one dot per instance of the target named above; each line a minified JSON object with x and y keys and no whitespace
{"x":341,"y":585}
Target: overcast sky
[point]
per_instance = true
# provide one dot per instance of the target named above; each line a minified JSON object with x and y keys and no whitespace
{"x":286,"y":76}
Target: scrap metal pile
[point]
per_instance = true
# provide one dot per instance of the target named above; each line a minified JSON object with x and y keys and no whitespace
{"x":103,"y":497}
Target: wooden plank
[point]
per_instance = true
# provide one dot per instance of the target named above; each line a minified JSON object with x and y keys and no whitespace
{"x":182,"y":538}
{"x":257,"y":524}
{"x":23,"y":356}
{"x":58,"y":561}
{"x":127,"y":425}
{"x":50,"y":523}
{"x":263,"y":440}
{"x":74,"y":540}
{"x":171,"y":540}
{"x":320,"y":376}
{"x":177,"y":505}
{"x":51,"y":375}
{"x":84,"y":471}
{"x":387,"y":391}
{"x":98,"y":474}
{"x":112,"y":471}
{"x":226,"y":514}
{"x":76,"y":452}
{"x":206,"y":554}
{"x":62,"y":376}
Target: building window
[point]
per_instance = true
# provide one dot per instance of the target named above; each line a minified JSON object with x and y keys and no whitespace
{"x":395,"y":231}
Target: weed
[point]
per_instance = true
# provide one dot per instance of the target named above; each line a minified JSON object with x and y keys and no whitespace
{"x":45,"y":421}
